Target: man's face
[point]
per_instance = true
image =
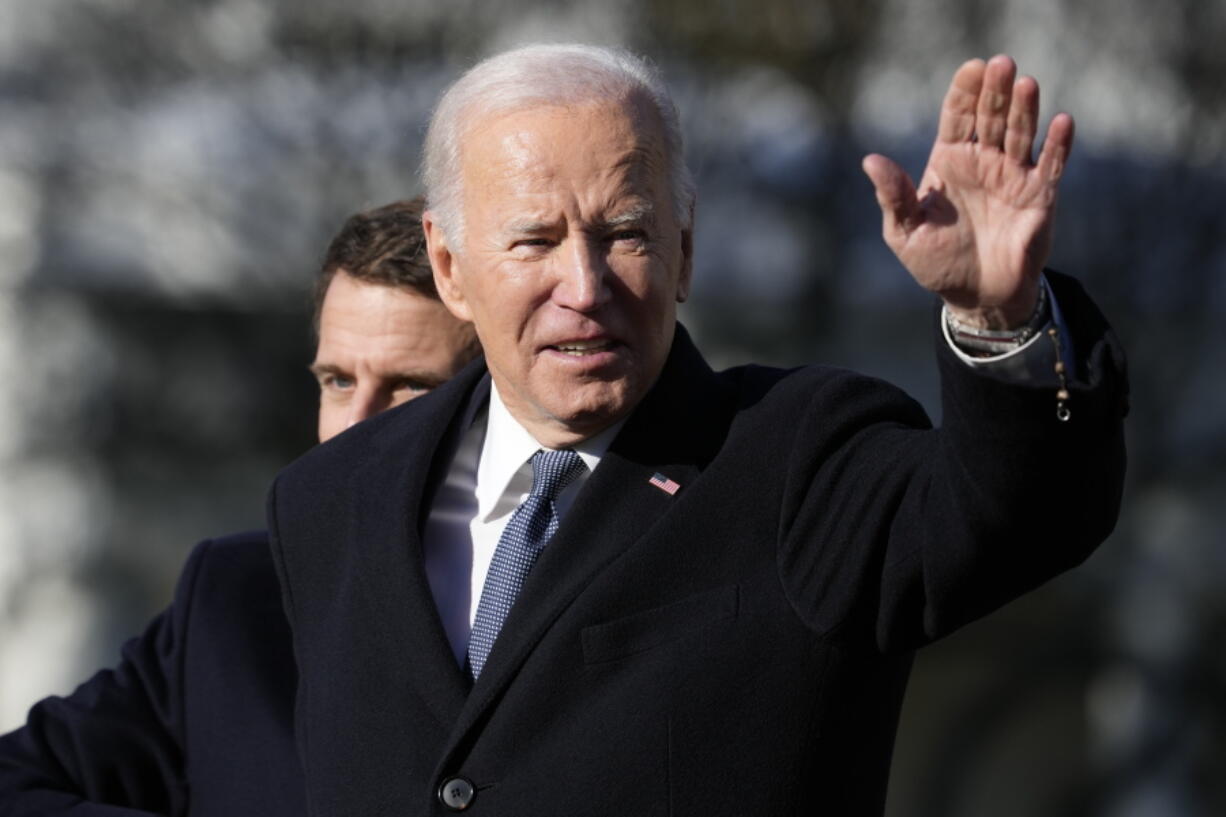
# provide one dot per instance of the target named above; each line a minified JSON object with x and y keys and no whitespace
{"x":572,"y":264}
{"x":380,"y":346}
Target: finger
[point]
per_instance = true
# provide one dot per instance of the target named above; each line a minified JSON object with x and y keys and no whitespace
{"x":958,"y":110}
{"x":895,"y":195}
{"x":1023,"y":119}
{"x":994,"y":98}
{"x":1056,"y":148}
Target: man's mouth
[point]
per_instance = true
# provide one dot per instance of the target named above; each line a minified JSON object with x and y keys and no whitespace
{"x":582,"y":348}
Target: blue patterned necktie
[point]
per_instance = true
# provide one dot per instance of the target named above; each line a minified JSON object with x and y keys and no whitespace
{"x":523,"y":539}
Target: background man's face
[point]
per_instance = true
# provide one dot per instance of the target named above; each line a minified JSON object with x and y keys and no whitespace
{"x":572,"y":264}
{"x":380,"y":346}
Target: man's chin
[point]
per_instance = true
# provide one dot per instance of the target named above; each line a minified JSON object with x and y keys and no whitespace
{"x":562,"y":408}
{"x":588,"y":409}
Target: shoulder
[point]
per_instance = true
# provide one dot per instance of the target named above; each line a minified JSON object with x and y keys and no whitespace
{"x":229,"y":604}
{"x":237,"y":556}
{"x":766,"y":401}
{"x":762,"y":413}
{"x":227,"y":581}
{"x":834,"y":395}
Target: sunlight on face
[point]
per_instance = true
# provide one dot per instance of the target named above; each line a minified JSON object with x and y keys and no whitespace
{"x":573,"y":261}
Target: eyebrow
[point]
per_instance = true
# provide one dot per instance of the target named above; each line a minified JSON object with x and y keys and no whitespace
{"x":420,"y":376}
{"x":639,"y":213}
{"x":325,"y":368}
{"x":527,"y":226}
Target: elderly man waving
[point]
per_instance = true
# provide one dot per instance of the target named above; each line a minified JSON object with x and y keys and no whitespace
{"x":589,"y":575}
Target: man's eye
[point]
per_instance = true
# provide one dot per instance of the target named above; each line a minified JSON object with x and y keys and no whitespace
{"x":628,"y":237}
{"x":335,"y":382}
{"x":531,"y":246}
{"x":415,"y":386}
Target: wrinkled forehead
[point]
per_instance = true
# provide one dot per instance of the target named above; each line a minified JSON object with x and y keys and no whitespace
{"x":621,"y":138}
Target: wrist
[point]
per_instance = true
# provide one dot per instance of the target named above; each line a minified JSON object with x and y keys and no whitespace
{"x":1009,"y":315}
{"x":982,"y":335}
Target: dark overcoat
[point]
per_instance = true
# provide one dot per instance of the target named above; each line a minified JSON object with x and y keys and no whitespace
{"x":739,"y":647}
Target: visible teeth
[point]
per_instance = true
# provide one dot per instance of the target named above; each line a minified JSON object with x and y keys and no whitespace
{"x":582,"y":347}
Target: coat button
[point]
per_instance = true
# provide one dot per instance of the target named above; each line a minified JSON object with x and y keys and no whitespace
{"x":457,"y":793}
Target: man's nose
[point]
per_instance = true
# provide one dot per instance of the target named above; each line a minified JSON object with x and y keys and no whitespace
{"x":583,"y":283}
{"x":367,"y":402}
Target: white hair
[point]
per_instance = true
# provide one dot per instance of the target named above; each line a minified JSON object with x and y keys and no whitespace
{"x":543,"y":75}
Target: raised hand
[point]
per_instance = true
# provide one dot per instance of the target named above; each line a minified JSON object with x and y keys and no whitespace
{"x":979,"y":229}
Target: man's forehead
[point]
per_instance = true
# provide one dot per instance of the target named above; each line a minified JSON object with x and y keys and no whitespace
{"x":608,"y":155}
{"x":532,"y":138}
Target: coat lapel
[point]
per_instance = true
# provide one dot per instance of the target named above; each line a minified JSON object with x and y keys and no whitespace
{"x":379,"y":689}
{"x":674,"y":433}
{"x":390,"y":560}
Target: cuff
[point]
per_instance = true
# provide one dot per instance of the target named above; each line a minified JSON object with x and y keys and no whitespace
{"x":1034,"y":361}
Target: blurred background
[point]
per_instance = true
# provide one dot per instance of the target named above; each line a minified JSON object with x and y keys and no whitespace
{"x":170,"y":174}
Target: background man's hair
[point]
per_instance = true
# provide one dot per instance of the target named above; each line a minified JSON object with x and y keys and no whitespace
{"x":543,"y":75}
{"x":382,"y":246}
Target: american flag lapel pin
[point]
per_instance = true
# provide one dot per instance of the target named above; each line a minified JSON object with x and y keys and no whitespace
{"x":665,"y":484}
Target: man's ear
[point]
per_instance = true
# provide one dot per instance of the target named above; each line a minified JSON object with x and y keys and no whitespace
{"x":446,"y":268}
{"x":687,"y":265}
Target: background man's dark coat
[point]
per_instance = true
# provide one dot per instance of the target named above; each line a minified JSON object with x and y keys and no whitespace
{"x":197,"y":718}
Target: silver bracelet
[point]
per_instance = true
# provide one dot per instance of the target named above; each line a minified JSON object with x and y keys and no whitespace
{"x":998,"y":341}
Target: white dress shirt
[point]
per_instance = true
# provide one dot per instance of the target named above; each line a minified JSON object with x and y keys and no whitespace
{"x":489,"y":478}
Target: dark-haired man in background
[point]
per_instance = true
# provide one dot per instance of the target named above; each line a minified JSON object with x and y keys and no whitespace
{"x":384,"y":336}
{"x":210,"y":685}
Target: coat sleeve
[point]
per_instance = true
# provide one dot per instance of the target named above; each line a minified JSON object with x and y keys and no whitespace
{"x":114,"y":747}
{"x":895,"y":534}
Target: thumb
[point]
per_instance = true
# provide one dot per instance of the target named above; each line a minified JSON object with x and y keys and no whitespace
{"x":895,"y":195}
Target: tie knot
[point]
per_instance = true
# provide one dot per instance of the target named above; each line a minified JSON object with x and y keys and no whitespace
{"x":553,"y":470}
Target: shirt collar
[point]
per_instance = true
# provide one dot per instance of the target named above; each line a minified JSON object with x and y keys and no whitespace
{"x":508,"y":446}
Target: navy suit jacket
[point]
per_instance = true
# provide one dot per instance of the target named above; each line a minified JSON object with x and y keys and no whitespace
{"x":197,"y":718}
{"x":738,"y":648}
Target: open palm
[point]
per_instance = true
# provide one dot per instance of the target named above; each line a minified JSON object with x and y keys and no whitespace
{"x":978,"y":229}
